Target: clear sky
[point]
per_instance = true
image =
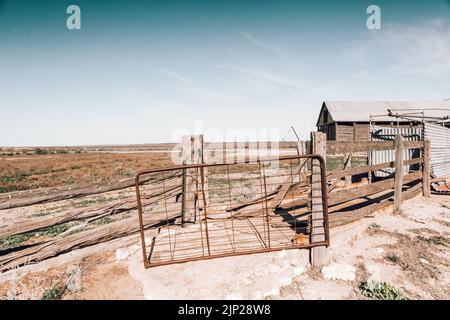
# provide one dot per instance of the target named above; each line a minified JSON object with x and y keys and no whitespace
{"x":138,"y":71}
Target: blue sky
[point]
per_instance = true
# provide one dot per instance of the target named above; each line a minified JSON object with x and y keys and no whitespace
{"x":140,"y":71}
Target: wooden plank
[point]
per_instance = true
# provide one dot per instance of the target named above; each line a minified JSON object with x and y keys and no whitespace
{"x":344,"y":217}
{"x":342,"y":147}
{"x":246,"y":145}
{"x":345,"y":195}
{"x":365,"y":169}
{"x":319,"y":255}
{"x":413,"y":144}
{"x":426,"y":170}
{"x":88,"y":214}
{"x":25,"y":198}
{"x":399,"y":154}
{"x":344,"y":132}
{"x":60,"y":244}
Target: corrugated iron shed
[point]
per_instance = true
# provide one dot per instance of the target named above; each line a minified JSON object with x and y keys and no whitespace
{"x":360,"y":111}
{"x":439,"y":137}
{"x":379,"y":133}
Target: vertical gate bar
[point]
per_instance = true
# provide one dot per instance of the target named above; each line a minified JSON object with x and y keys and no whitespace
{"x":201,"y":229}
{"x":293,"y":201}
{"x":262,"y":203}
{"x":200,"y":218}
{"x":323,"y":173}
{"x":183,"y":196}
{"x":141,"y":222}
{"x":167,"y":215}
{"x":229,"y":197}
{"x":202,"y":176}
{"x":267,"y":210}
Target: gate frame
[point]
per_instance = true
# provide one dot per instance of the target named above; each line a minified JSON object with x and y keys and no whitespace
{"x":324,"y":196}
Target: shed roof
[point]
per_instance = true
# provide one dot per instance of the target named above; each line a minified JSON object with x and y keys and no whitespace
{"x":360,"y":111}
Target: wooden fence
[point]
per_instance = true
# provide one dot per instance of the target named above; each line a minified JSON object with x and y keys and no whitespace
{"x":351,"y":196}
{"x":405,"y":183}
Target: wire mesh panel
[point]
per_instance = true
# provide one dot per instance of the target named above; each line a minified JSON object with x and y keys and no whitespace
{"x":205,"y":211}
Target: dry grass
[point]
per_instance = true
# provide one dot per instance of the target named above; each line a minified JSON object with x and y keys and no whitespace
{"x":55,"y":170}
{"x":418,"y":256}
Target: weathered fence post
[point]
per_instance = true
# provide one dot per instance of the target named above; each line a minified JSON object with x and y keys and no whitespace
{"x":192,"y":153}
{"x":398,"y":145}
{"x":318,"y":255}
{"x":348,"y":166}
{"x":426,"y":169}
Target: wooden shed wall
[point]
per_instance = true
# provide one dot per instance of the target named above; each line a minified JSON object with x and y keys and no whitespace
{"x":344,"y":132}
{"x":347,"y":131}
{"x":361,"y":131}
{"x":329,"y":130}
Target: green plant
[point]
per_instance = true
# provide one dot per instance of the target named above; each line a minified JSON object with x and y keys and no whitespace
{"x":381,"y":291}
{"x":54,"y":231}
{"x":14,"y":240}
{"x":40,"y":151}
{"x":41,"y":213}
{"x":436,"y":240}
{"x":55,"y":293}
{"x":104,"y":220}
{"x":393,"y":258}
{"x":18,"y":176}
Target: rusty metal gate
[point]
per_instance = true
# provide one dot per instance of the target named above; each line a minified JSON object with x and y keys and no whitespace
{"x":206,"y":211}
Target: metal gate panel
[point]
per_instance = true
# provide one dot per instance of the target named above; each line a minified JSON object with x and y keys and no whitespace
{"x":205,"y":211}
{"x":439,"y":137}
{"x":379,"y":133}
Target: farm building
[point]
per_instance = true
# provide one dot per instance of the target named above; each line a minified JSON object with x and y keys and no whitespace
{"x":350,"y":120}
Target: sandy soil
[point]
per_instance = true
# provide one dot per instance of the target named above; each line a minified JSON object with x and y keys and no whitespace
{"x":410,"y":251}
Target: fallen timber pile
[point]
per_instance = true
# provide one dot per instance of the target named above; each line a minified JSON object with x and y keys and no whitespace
{"x":48,"y":248}
{"x":25,"y":198}
{"x":58,"y":245}
{"x":173,"y":188}
{"x":64,"y":243}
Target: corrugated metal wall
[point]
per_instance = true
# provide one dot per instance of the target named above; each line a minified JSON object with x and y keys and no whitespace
{"x":378,"y":133}
{"x":439,"y":137}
